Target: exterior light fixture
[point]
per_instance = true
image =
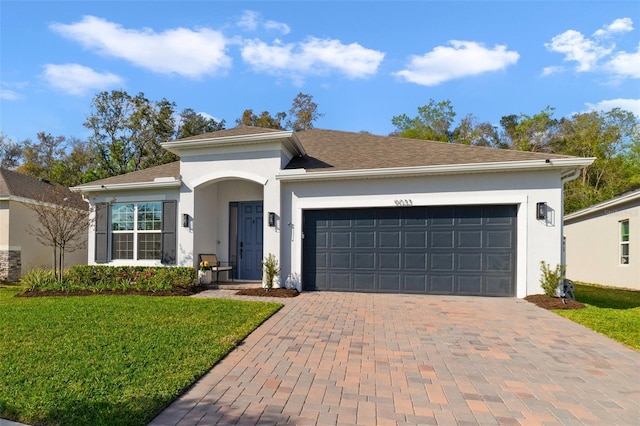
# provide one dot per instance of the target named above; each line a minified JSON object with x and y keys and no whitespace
{"x":541,"y":211}
{"x":185,"y":220}
{"x":272,"y":219}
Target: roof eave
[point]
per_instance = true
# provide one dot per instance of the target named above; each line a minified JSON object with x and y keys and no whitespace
{"x":604,"y":205}
{"x":562,"y":164}
{"x":288,"y":136}
{"x":160,"y":184}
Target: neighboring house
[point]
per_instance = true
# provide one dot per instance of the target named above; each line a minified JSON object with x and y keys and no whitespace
{"x":20,"y":251}
{"x":603,"y":242}
{"x":342,"y":211}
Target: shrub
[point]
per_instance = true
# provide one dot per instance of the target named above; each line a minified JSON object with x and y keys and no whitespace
{"x":271,"y":270}
{"x":41,"y":279}
{"x":102,"y":278}
{"x":551,"y":279}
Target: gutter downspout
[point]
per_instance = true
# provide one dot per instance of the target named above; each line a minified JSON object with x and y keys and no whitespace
{"x":563,"y":244}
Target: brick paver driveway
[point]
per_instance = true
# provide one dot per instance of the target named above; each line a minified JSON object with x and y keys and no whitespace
{"x":347,"y":358}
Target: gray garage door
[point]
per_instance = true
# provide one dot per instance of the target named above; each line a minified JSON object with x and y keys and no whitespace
{"x":462,"y":250}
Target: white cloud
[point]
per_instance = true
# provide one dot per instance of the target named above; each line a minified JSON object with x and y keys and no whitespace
{"x":631,"y":105}
{"x":621,"y":25}
{"x":277,"y":26}
{"x":626,"y":64}
{"x":248,"y":21}
{"x":552,"y":70}
{"x":312,"y":57}
{"x":9,"y":95}
{"x":597,"y":53}
{"x":462,"y":59}
{"x":77,"y":79}
{"x":576,"y":47}
{"x":190,"y":53}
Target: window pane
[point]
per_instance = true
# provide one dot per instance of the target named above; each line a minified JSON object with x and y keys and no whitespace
{"x":150,"y":216}
{"x":149,"y":246}
{"x":122,"y":246}
{"x":624,"y":231}
{"x":122,"y":217}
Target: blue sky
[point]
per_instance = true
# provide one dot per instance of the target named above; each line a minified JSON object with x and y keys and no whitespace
{"x":363,"y":62}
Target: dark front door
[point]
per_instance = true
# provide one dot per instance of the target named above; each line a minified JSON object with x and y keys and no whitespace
{"x":462,"y":250}
{"x":250,"y":240}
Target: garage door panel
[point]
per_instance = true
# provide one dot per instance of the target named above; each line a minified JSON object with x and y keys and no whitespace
{"x":364,"y":282}
{"x":389,"y":261}
{"x":469,"y":284}
{"x":389,"y":283}
{"x":442,"y":261}
{"x":442,"y":239}
{"x":441,"y":284}
{"x":364,"y":261}
{"x":469,"y":239}
{"x":471,"y":262}
{"x":499,"y":239}
{"x":365,"y":240}
{"x":440,"y":250}
{"x":415,"y":261}
{"x":389,"y":239}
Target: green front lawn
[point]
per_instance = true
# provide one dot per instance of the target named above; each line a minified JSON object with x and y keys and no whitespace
{"x":111,"y":360}
{"x":612,"y":312}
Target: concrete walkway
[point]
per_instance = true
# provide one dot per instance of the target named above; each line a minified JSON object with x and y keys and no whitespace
{"x":347,"y":358}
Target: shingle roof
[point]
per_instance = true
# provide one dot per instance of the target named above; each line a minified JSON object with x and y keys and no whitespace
{"x":236,"y":131}
{"x":145,"y":175}
{"x":25,"y":186}
{"x":337,"y":150}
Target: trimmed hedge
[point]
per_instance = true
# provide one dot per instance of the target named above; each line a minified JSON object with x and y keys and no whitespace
{"x":102,"y":278}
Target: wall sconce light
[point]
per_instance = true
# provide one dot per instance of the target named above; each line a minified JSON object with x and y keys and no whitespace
{"x":272,"y":219}
{"x":185,"y":220}
{"x":541,"y":211}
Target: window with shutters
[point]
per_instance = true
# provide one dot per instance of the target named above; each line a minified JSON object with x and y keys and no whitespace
{"x":136,"y":231}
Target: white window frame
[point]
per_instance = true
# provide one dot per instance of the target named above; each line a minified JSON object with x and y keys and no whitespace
{"x":624,"y":243}
{"x":135,"y":232}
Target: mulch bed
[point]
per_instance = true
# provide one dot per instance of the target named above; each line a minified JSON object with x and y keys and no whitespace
{"x":547,"y":302}
{"x":274,"y":292}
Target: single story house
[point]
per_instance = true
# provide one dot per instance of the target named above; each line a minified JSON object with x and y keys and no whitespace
{"x":20,"y":251}
{"x":603,"y":242}
{"x":341,"y":211}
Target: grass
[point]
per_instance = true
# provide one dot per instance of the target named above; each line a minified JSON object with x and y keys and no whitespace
{"x":111,"y":360}
{"x":610,"y":311}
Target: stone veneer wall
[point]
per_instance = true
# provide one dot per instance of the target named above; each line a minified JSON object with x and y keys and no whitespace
{"x":10,"y":265}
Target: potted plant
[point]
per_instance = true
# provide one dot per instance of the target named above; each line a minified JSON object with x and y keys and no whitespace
{"x":204,"y":272}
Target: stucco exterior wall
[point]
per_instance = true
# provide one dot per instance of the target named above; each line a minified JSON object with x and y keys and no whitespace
{"x":537,"y":240}
{"x":22,"y":249}
{"x":593,"y":248}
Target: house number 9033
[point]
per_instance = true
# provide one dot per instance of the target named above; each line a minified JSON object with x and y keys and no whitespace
{"x":403,"y":203}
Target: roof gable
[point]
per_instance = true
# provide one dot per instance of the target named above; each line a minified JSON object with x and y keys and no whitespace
{"x":20,"y":185}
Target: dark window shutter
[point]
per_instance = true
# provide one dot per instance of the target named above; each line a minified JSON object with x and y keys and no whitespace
{"x":102,"y":233}
{"x":169,"y":225}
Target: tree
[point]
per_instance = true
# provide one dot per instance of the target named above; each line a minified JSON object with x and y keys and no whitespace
{"x":62,"y":221}
{"x":470,"y":132}
{"x":127,"y":132}
{"x":192,"y":124}
{"x":536,"y":133}
{"x":432,"y":122}
{"x":304,"y":111}
{"x":263,"y":120}
{"x":39,"y":159}
{"x":613,"y":138}
{"x":10,"y":153}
